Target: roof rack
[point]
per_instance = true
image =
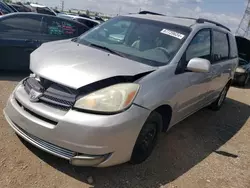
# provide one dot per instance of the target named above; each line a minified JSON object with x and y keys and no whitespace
{"x":185,"y":17}
{"x":199,"y":20}
{"x":148,"y":12}
{"x":202,"y":20}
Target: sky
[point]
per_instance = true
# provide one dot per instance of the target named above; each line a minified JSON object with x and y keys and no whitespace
{"x":227,"y":12}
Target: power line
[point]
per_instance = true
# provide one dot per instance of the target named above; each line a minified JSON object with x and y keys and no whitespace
{"x":244,"y":26}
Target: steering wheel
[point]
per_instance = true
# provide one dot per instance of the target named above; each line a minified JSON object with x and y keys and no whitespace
{"x":164,"y":50}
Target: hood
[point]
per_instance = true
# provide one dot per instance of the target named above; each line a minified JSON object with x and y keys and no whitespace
{"x":73,"y":65}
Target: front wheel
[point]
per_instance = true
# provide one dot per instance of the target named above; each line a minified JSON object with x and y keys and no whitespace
{"x":147,"y":139}
{"x":216,"y":105}
{"x":245,"y":82}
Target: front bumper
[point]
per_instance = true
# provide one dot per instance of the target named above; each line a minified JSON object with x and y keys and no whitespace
{"x":83,"y":139}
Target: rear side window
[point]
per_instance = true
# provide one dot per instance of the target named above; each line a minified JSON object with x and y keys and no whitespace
{"x":220,"y":48}
{"x":200,"y":46}
{"x":24,"y":25}
{"x":82,"y":29}
{"x":44,"y":11}
{"x":60,"y":27}
{"x":233,"y":47}
{"x":88,"y":23}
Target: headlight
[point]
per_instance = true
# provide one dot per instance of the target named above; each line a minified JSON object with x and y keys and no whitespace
{"x":240,"y":70}
{"x":33,"y":75}
{"x":110,"y":99}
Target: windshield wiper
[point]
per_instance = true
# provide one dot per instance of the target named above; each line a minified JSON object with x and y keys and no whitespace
{"x":107,"y":49}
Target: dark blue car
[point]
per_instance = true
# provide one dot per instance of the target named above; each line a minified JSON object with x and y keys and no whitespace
{"x":22,"y":33}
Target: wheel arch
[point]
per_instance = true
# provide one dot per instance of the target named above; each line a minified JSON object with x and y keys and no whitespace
{"x":229,"y":83}
{"x":166,"y":113}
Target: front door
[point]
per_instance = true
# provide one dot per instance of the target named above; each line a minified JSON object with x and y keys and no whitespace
{"x":195,"y":85}
{"x":19,"y":36}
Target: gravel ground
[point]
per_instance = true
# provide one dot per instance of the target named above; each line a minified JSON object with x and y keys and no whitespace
{"x":207,"y":150}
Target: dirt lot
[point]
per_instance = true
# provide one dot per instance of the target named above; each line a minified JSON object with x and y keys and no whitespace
{"x":209,"y":149}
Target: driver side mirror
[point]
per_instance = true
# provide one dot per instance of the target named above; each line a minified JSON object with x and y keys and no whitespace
{"x":199,"y":65}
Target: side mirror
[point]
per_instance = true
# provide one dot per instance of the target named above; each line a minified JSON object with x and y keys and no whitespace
{"x":199,"y":65}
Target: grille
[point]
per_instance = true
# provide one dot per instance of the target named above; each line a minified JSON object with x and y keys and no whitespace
{"x":54,"y":95}
{"x":55,"y":100}
{"x":46,"y":146}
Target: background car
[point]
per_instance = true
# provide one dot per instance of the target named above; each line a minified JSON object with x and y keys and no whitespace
{"x":22,"y":33}
{"x":87,"y":21}
{"x":42,"y":9}
{"x":5,"y":9}
{"x":12,"y":7}
{"x":242,"y":73}
{"x":99,"y":19}
{"x":19,"y":7}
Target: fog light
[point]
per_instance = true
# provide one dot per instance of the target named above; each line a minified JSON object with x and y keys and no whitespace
{"x":88,"y":160}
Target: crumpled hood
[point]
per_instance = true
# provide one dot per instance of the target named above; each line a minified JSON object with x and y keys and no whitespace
{"x":73,"y":65}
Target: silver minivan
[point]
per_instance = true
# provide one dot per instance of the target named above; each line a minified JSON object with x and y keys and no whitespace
{"x":103,"y":98}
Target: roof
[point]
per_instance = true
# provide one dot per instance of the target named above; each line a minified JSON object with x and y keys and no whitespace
{"x":84,"y":18}
{"x":168,"y":19}
{"x":79,"y":17}
{"x":37,"y":5}
{"x":182,"y":21}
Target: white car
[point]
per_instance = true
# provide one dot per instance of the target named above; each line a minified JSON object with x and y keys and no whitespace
{"x":42,"y":9}
{"x":98,"y":102}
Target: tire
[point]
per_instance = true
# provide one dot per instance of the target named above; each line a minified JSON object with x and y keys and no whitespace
{"x":216,"y":105}
{"x":245,"y":82}
{"x":147,"y":138}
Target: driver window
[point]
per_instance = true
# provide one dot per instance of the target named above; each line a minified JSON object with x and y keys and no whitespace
{"x":200,"y":46}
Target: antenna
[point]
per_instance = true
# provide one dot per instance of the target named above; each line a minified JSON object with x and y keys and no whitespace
{"x":244,"y":27}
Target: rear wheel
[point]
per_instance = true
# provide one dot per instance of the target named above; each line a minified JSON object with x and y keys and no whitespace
{"x":147,"y":138}
{"x":220,"y":100}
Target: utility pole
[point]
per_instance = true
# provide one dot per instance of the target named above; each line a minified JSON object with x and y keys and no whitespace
{"x":62,"y":5}
{"x":119,"y":12}
{"x":244,"y":27}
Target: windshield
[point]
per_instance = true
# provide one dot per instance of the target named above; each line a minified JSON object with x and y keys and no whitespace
{"x":145,"y":41}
